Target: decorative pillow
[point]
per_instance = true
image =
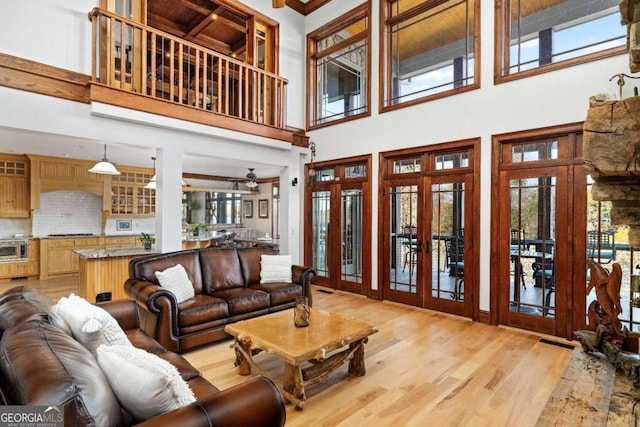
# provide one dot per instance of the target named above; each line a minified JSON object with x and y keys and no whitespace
{"x":145,"y":384}
{"x":275,"y":268}
{"x":90,"y":325}
{"x":175,"y":280}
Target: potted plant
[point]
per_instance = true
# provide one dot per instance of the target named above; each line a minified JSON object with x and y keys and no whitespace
{"x":148,"y":240}
{"x":197,"y":227}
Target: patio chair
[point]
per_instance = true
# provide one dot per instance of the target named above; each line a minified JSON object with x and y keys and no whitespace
{"x":455,"y":261}
{"x":601,"y":247}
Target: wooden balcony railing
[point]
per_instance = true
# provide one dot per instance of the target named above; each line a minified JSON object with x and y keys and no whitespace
{"x":133,"y":57}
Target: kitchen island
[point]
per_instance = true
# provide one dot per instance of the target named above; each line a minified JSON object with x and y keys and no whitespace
{"x":106,"y":270}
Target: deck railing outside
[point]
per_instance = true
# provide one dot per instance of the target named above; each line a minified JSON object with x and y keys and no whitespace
{"x":160,"y":65}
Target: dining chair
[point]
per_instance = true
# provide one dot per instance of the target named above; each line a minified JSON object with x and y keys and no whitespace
{"x":455,"y":261}
{"x":410,"y":243}
{"x":517,"y":244}
{"x":601,"y":246}
{"x":545,"y":272}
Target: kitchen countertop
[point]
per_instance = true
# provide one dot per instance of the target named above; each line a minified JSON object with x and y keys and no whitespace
{"x":114,"y":252}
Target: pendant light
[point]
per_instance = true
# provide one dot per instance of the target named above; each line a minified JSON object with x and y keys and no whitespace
{"x":103,"y":167}
{"x":151,"y":185}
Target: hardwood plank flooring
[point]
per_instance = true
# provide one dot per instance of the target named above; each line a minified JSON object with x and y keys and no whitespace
{"x":423,"y":368}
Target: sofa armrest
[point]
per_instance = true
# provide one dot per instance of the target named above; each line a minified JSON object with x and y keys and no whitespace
{"x":163,"y":305}
{"x":125,"y":311}
{"x":305,"y":276}
{"x":254,"y":403}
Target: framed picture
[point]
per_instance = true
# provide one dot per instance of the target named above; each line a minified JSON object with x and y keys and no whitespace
{"x":263,"y":208}
{"x":123,"y":224}
{"x":248,"y":208}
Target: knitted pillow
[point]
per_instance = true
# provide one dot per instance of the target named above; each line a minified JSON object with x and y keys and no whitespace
{"x":145,"y":384}
{"x":275,"y":268}
{"x":90,"y":325}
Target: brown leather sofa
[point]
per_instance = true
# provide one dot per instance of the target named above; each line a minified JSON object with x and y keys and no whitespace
{"x":40,"y":364}
{"x":227,"y":288}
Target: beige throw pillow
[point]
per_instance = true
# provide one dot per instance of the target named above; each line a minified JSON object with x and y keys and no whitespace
{"x":145,"y":384}
{"x":175,"y":280}
{"x":275,"y":268}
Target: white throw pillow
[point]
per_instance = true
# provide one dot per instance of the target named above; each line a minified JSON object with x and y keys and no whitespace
{"x":90,"y":325}
{"x":275,"y":268}
{"x":175,"y":280}
{"x":145,"y":384}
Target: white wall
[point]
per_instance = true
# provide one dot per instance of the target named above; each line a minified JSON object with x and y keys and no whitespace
{"x":548,"y":99}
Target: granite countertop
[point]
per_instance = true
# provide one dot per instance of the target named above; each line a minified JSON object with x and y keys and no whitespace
{"x":114,"y":252}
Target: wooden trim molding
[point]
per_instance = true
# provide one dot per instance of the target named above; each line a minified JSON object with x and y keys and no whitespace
{"x":24,"y":74}
{"x":308,"y":7}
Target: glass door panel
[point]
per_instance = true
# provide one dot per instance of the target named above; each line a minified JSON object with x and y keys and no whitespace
{"x":351,"y":236}
{"x":532,"y":243}
{"x":447,"y":229}
{"x":321,"y":215}
{"x":404,"y":246}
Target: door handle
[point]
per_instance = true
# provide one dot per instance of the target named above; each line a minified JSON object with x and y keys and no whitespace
{"x":427,"y":246}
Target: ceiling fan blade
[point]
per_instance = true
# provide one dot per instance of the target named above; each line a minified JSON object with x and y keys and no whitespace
{"x":278,"y":3}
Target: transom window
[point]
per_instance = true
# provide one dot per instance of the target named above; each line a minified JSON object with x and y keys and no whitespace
{"x":431,"y":49}
{"x":540,"y":35}
{"x":338,"y":65}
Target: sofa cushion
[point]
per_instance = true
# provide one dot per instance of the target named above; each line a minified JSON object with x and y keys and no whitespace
{"x":146,"y":268}
{"x":145,"y":384}
{"x":176,"y":280}
{"x":42,"y":365}
{"x":243,"y":300}
{"x":91,"y":325}
{"x":202,"y":309}
{"x":279,"y":293}
{"x":250,"y":262}
{"x":220,"y":269}
{"x":275,"y":268}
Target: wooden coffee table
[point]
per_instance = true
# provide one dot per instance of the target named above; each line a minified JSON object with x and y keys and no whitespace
{"x":276,"y":334}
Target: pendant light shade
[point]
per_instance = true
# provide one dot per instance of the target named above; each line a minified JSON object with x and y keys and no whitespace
{"x":103,"y":167}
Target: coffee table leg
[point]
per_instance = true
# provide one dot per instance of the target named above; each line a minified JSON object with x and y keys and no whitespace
{"x":243,"y":351}
{"x":356,"y":364}
{"x":293,"y":385}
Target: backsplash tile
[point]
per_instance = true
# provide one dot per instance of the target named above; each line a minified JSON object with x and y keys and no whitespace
{"x":9,"y":227}
{"x":65,"y":212}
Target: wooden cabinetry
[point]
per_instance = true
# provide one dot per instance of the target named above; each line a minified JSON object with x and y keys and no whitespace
{"x":122,"y":241}
{"x":28,"y":268}
{"x":128,"y":195}
{"x":57,"y":256}
{"x":14,"y":186}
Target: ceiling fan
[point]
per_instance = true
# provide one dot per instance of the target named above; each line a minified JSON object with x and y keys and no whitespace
{"x":252,"y":179}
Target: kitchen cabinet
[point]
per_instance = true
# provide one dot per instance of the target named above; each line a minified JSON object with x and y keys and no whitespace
{"x":14,"y":186}
{"x":57,"y":256}
{"x":28,"y":268}
{"x":122,"y":241}
{"x":128,"y":195}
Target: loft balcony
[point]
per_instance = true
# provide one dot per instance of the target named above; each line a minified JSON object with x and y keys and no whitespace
{"x":139,"y":67}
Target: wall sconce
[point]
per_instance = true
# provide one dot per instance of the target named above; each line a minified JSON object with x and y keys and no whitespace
{"x":294,"y":181}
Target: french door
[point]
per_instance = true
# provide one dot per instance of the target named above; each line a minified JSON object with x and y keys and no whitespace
{"x":428,"y":256}
{"x":337,"y":224}
{"x":538,"y":238}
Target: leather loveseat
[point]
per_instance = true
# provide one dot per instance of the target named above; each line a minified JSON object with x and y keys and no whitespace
{"x":227,"y":289}
{"x":41,"y":364}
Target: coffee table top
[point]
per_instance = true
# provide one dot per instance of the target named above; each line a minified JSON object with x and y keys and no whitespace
{"x":276,"y":333}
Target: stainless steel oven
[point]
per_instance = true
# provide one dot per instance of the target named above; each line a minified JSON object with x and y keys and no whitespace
{"x":13,"y":250}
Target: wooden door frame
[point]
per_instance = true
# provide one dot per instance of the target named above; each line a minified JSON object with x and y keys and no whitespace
{"x":385,"y":160}
{"x":575,"y":251}
{"x":335,"y":188}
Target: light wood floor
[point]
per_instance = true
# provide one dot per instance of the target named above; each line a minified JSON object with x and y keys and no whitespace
{"x":423,"y":368}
